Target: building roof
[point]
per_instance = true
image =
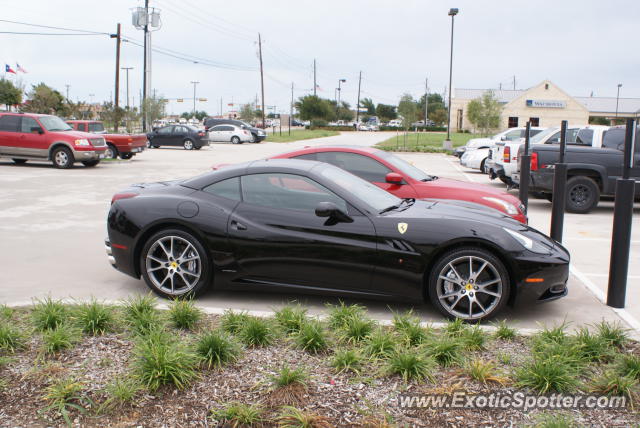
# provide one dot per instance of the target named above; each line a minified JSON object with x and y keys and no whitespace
{"x":503,"y":95}
{"x":608,"y":104}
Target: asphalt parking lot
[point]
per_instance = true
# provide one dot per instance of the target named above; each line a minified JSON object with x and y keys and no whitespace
{"x":52,"y":228}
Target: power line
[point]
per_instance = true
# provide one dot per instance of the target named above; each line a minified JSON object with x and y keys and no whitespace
{"x":50,"y":34}
{"x":53,"y":28}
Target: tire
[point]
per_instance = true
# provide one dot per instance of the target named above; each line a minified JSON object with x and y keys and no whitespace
{"x":158,"y":265}
{"x":482,"y":166}
{"x":19,"y":161}
{"x":126,"y":156}
{"x":504,"y":179}
{"x":583,"y":195}
{"x":156,"y":147}
{"x":111,"y":152}
{"x":91,"y":163}
{"x":235,"y":140}
{"x":188,"y":144}
{"x":62,"y":158}
{"x":149,"y":144}
{"x":197,"y":147}
{"x":466,"y":288}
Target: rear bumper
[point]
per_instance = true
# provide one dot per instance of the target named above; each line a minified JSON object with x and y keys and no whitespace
{"x":541,"y":181}
{"x":138,"y":148}
{"x":107,"y":248}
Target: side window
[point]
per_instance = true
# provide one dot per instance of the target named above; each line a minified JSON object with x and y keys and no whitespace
{"x":82,"y":127}
{"x":614,"y":139}
{"x":554,"y":139}
{"x":287,"y":191}
{"x":308,"y":156}
{"x":362,"y":166}
{"x":229,"y":188}
{"x":514,"y":135}
{"x":227,"y":128}
{"x":179,"y":130}
{"x":585,"y":137}
{"x":28,"y":123}
{"x":166,"y":130}
{"x":9,"y":123}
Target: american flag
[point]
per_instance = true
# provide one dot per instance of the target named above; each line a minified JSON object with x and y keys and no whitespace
{"x":20,"y":69}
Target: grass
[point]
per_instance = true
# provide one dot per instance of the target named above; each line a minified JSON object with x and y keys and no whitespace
{"x":483,"y":371}
{"x":95,"y":318}
{"x":504,"y":332}
{"x":339,"y":314}
{"x":184,"y":314}
{"x":232,"y":322}
{"x":122,"y":391}
{"x":257,"y":332}
{"x":411,"y":364}
{"x":287,"y":376}
{"x":347,"y":360}
{"x":430,"y":142}
{"x":593,"y":347}
{"x":216,"y":349}
{"x":236,"y":414}
{"x":291,"y":417}
{"x":613,"y":333}
{"x":614,"y":384}
{"x":554,"y":420}
{"x":160,"y":359}
{"x":445,"y":350}
{"x":65,"y":396}
{"x":48,"y":314}
{"x":455,"y":328}
{"x":141,"y":315}
{"x":59,"y":338}
{"x":380,"y":344}
{"x":11,"y":338}
{"x":6,"y":312}
{"x":291,"y":317}
{"x":473,"y":338}
{"x":548,"y":374}
{"x":299,"y":134}
{"x":408,"y":326}
{"x":628,"y":365}
{"x":311,"y":337}
{"x":357,"y":329}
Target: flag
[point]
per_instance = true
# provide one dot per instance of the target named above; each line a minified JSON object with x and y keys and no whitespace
{"x":20,"y":69}
{"x":8,"y":69}
{"x":318,"y":87}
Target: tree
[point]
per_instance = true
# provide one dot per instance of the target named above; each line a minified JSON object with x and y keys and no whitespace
{"x":43,"y":99}
{"x":344,"y":112}
{"x":439,"y":116}
{"x":199,"y":114}
{"x":247,"y":112}
{"x":408,"y":109}
{"x":484,"y":112}
{"x":154,"y":107}
{"x":435,"y":105}
{"x":10,"y":94}
{"x":368,"y":104}
{"x":386,"y":112}
{"x":111,"y":115}
{"x":313,"y":107}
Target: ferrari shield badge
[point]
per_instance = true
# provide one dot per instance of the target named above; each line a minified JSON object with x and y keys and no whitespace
{"x":402,"y":227}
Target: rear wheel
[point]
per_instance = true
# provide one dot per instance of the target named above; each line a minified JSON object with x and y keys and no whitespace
{"x":19,"y":161}
{"x":111,"y":152}
{"x":91,"y":163}
{"x":188,"y":145}
{"x":583,"y":195}
{"x":174,"y":264}
{"x":62,"y":158}
{"x":469,"y":283}
{"x":482,"y":166}
{"x":235,"y":140}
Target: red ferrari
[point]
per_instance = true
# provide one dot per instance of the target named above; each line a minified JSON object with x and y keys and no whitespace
{"x":404,"y":180}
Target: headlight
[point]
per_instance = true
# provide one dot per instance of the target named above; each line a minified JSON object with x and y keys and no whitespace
{"x":527,"y":242}
{"x":509,"y":208}
{"x":82,"y":142}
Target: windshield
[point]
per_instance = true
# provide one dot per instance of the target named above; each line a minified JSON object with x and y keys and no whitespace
{"x":406,"y":167}
{"x":369,"y":193}
{"x":542,"y":135}
{"x":54,"y":123}
{"x":96,"y":128}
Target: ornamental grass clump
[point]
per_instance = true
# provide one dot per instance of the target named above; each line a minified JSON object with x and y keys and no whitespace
{"x":311,"y":337}
{"x":257,"y":332}
{"x":347,"y":360}
{"x":237,"y":414}
{"x":48,"y":314}
{"x":184,"y":314}
{"x":95,"y":318}
{"x":141,"y":315}
{"x":215,"y":349}
{"x":411,"y":364}
{"x":291,"y":318}
{"x":339,"y":314}
{"x":232,"y":322}
{"x":380,"y":344}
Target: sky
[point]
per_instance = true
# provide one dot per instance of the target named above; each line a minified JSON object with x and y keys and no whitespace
{"x":583,"y":46}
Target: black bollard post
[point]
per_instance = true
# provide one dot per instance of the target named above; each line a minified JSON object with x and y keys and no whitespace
{"x":525,"y":171}
{"x":622,"y":218}
{"x":559,"y":188}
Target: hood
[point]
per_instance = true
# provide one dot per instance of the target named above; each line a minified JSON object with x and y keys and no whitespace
{"x":454,"y":210}
{"x":463,"y":190}
{"x":77,"y":134}
{"x":475,"y":141}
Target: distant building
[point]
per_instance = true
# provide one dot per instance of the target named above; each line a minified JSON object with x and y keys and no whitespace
{"x":544,"y":105}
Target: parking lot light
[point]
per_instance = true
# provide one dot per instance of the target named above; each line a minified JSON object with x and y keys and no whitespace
{"x":447,"y":144}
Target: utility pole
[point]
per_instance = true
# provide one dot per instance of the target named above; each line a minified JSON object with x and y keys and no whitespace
{"x":426,"y":101}
{"x":144,"y":72}
{"x":514,"y":83}
{"x":220,"y":106}
{"x":118,"y":38}
{"x":358,"y":103}
{"x":315,"y":85}
{"x":126,"y":69}
{"x":261,"y":77}
{"x":291,"y":109}
{"x":194,"y":97}
{"x":68,"y":86}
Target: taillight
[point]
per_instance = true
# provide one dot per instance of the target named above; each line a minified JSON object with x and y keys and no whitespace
{"x":534,"y":161}
{"x":119,"y":196}
{"x":506,"y":155}
{"x":201,"y":134}
{"x":245,"y":132}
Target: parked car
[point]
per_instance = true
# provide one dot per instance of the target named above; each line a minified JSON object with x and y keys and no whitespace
{"x":591,"y":171}
{"x":296,"y":122}
{"x":395,"y":123}
{"x":230,"y":133}
{"x":310,"y":227}
{"x":41,"y":137}
{"x":509,"y":134}
{"x":257,"y":133}
{"x":178,"y":135}
{"x":404,"y":180}
{"x":124,"y":145}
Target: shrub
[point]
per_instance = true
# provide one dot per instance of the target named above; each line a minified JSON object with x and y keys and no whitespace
{"x":410,"y":364}
{"x":339,"y":314}
{"x":347,"y":360}
{"x":11,"y":338}
{"x":311,"y":337}
{"x":238,"y":415}
{"x":504,"y":332}
{"x":257,"y":332}
{"x":59,"y":338}
{"x":141,"y":315}
{"x":160,"y":359}
{"x":473,"y":338}
{"x":95,"y":318}
{"x":380,"y":344}
{"x":216,"y":349}
{"x":629,"y":366}
{"x":357,"y":329}
{"x":48,"y":314}
{"x":445,"y":350}
{"x":548,"y":375}
{"x":232,"y":322}
{"x":184,"y":314}
{"x":64,"y":396}
{"x":291,"y":317}
{"x":291,"y":417}
{"x":612,"y":333}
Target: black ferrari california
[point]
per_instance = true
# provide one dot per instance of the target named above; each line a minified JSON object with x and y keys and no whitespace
{"x":309,"y":227}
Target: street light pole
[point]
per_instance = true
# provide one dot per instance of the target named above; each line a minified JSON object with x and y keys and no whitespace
{"x":618,"y":98}
{"x":194,"y":97}
{"x":340,"y":81}
{"x":126,"y":69}
{"x":447,"y":145}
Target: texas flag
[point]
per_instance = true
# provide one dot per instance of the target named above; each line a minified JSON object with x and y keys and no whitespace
{"x":8,"y":69}
{"x":20,"y":69}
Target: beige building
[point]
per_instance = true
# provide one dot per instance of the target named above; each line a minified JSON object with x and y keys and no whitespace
{"x":544,"y":105}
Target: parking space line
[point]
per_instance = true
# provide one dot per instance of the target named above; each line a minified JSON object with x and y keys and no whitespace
{"x":468,"y":176}
{"x":595,"y":240}
{"x":606,"y":275}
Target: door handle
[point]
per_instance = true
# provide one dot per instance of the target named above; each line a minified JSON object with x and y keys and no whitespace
{"x":237,"y":226}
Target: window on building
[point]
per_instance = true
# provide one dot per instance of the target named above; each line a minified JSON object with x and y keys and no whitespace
{"x":546,"y":86}
{"x":535,"y":121}
{"x":513,"y":122}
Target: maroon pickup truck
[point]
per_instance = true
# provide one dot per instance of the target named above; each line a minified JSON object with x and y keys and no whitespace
{"x":123,"y":145}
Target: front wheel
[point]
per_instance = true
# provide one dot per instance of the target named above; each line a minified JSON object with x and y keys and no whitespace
{"x":469,"y":283}
{"x":583,"y":195}
{"x":175,"y":264}
{"x":62,"y":158}
{"x":235,"y":140}
{"x":111,"y":152}
{"x":19,"y":161}
{"x":91,"y":163}
{"x":126,"y":156}
{"x":188,"y":145}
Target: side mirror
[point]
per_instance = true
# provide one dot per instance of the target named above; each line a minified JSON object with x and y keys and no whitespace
{"x":37,"y":129}
{"x":333,"y":213}
{"x":504,"y":138}
{"x":394,"y":178}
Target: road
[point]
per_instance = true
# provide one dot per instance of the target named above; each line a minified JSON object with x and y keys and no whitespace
{"x":52,"y":227}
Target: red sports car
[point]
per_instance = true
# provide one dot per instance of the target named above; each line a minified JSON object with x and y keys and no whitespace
{"x":404,"y":180}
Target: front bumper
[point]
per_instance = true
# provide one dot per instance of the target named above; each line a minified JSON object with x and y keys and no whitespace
{"x":107,"y":248}
{"x":542,"y":278}
{"x":88,"y":155}
{"x":258,"y":138}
